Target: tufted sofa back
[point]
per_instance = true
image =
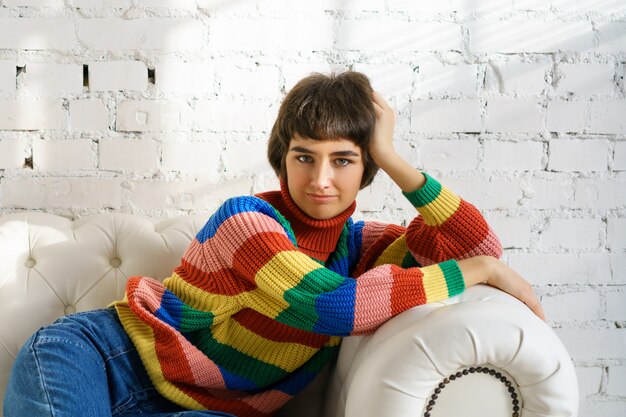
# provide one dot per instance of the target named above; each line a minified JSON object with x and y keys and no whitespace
{"x":51,"y":266}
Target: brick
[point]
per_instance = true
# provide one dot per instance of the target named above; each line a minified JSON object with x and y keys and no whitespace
{"x":584,"y":80}
{"x":12,"y":153}
{"x":421,"y":6}
{"x":616,"y":233}
{"x":505,"y":36}
{"x":618,"y":268}
{"x":572,"y":306}
{"x":517,"y":78}
{"x":259,"y":81}
{"x":513,"y":232}
{"x":118,"y":76}
{"x":185,"y":77}
{"x":350,"y":5}
{"x":294,"y":72}
{"x":63,"y":155}
{"x":255,"y":159}
{"x":270,"y":35}
{"x":43,"y":34}
{"x":560,"y":269}
{"x":88,"y":115}
{"x":32,"y":114}
{"x":432,"y":116}
{"x":616,"y":306}
{"x":593,"y":344}
{"x":599,"y":194}
{"x":574,"y":155}
{"x":532,"y":5}
{"x":100,"y":3}
{"x":369,"y":199}
{"x":611,"y":37}
{"x":7,"y":78}
{"x":617,"y":380}
{"x":50,"y":192}
{"x":607,"y":6}
{"x":589,"y":380}
{"x":602,"y":408}
{"x":566,"y":116}
{"x":398,"y":36}
{"x":435,"y":79}
{"x":146,"y":34}
{"x":607,"y":116}
{"x":488,"y":195}
{"x":194,"y":157}
{"x":234,"y":115}
{"x":128,"y":155}
{"x":186,"y":195}
{"x":35,"y":3}
{"x":53,"y":79}
{"x":514,"y":115}
{"x":572,"y":233}
{"x":550,"y":194}
{"x":513,"y":156}
{"x":619,"y":156}
{"x":152,"y":115}
{"x":449,"y":155}
{"x":389,"y":79}
{"x":304,"y":8}
{"x":178,"y":4}
{"x":229,"y":8}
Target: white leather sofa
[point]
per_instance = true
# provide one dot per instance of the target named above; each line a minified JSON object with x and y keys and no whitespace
{"x":482,"y":353}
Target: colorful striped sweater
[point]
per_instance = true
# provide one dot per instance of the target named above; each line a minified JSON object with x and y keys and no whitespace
{"x":264,"y":294}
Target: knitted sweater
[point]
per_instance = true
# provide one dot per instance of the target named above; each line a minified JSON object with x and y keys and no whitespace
{"x":264,"y":294}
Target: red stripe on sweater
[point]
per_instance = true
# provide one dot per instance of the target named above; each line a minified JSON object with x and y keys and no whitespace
{"x":272,"y":330}
{"x":407,"y":291}
{"x":221,"y":282}
{"x":457,"y":237}
{"x":258,"y":250}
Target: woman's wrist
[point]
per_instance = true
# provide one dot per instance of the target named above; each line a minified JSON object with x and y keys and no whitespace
{"x":478,"y":269}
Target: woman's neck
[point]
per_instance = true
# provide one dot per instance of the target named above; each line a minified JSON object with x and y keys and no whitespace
{"x":316,"y":237}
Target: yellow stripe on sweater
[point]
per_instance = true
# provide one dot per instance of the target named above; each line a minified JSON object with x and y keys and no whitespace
{"x":287,"y":356}
{"x":435,"y":284}
{"x":143,"y":338}
{"x":394,"y":254}
{"x":440,"y":209}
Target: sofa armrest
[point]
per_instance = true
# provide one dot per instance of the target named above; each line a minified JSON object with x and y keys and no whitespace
{"x":397,"y":370}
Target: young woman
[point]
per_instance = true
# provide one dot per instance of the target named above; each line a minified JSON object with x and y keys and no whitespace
{"x":270,"y":285}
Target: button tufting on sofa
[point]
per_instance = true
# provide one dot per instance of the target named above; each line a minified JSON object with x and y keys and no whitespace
{"x":116,"y":262}
{"x":69,"y":309}
{"x":30,"y":262}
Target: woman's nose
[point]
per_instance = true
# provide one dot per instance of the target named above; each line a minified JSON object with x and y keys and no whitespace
{"x":322,"y":175}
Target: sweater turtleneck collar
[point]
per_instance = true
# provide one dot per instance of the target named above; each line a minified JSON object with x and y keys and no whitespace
{"x":315,"y":237}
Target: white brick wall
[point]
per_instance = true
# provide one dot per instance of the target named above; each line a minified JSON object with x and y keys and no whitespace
{"x":518,"y":105}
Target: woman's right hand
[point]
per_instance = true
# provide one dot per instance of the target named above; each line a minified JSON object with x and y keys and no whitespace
{"x":501,"y":276}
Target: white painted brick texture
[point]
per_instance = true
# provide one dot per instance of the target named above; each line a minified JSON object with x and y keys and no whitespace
{"x":517,"y":105}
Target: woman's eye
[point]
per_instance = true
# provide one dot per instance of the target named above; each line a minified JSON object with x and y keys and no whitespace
{"x":304,"y":158}
{"x":343,"y":162}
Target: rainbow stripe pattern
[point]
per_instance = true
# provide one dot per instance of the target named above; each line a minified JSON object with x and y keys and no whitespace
{"x":247,"y":320}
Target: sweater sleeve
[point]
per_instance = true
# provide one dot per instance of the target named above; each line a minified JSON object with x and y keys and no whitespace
{"x":447,"y":227}
{"x":290,"y":287}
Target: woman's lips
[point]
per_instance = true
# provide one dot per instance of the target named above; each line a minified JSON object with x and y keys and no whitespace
{"x":321,"y":199}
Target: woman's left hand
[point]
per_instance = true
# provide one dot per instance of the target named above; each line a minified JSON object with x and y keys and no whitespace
{"x":381,"y":145}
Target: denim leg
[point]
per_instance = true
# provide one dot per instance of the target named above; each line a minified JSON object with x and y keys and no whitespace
{"x":85,"y":365}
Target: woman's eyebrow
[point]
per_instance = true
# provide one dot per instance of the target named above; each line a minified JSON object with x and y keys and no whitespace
{"x":300,"y":149}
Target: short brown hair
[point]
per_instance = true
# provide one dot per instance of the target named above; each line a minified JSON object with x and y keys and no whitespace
{"x":326,"y":107}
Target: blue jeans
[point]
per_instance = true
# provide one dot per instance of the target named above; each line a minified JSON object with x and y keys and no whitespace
{"x":85,"y":365}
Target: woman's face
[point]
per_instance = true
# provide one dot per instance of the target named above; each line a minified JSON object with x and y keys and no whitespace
{"x":323,"y":176}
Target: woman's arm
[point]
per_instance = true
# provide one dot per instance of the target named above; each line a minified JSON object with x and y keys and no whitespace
{"x":448,"y":226}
